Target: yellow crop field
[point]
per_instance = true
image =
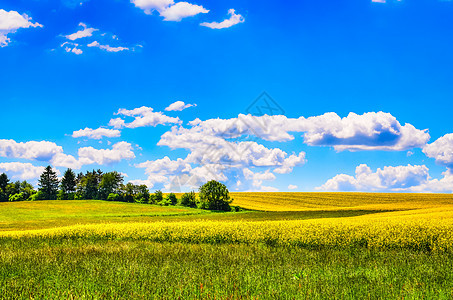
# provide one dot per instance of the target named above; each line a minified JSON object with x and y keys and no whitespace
{"x":291,"y":201}
{"x":425,"y":229}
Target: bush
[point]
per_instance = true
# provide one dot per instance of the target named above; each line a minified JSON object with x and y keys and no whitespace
{"x":61,"y":195}
{"x":214,"y":196}
{"x":113,"y":197}
{"x":37,"y":196}
{"x":172,"y":198}
{"x":164,"y":202}
{"x":158,"y":196}
{"x":189,"y":200}
{"x":17,"y":197}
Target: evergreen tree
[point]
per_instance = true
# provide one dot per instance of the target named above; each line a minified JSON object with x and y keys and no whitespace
{"x":4,"y":181}
{"x":110,"y":184}
{"x":48,"y":183}
{"x":68,"y":182}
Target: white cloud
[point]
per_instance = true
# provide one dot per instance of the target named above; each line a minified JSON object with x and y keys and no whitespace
{"x":119,"y":151}
{"x":441,"y":150}
{"x":52,"y":153}
{"x":292,"y":187}
{"x":182,"y":10}
{"x":88,"y":37}
{"x":10,"y":22}
{"x":370,"y":131}
{"x":268,"y":189}
{"x":233,"y":20}
{"x":169,"y":10}
{"x":143,"y":116}
{"x":399,"y":178}
{"x":149,"y":6}
{"x":85,"y":32}
{"x":107,"y":47}
{"x":22,"y":171}
{"x":41,"y":151}
{"x":96,"y":134}
{"x":178,"y":106}
{"x":257,"y":178}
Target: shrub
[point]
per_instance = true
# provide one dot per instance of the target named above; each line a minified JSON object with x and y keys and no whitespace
{"x":113,"y":197}
{"x":17,"y":197}
{"x":172,"y":198}
{"x":214,"y":196}
{"x":37,"y":196}
{"x":158,"y":196}
{"x":189,"y":200}
{"x":164,"y":202}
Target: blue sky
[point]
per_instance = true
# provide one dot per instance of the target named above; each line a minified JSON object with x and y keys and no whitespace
{"x":364,"y":91}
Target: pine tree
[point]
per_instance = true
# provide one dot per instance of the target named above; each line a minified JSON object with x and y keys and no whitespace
{"x":4,"y":181}
{"x":68,"y":182}
{"x":48,"y":183}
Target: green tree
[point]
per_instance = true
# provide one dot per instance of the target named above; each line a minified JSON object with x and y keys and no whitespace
{"x":189,"y":199}
{"x":48,"y":183}
{"x":68,"y":185}
{"x":172,"y":199}
{"x":128,"y":192}
{"x":110,"y":184}
{"x":142,"y":194}
{"x":88,"y":185}
{"x":27,"y":189}
{"x":4,"y":181}
{"x":214,"y":196}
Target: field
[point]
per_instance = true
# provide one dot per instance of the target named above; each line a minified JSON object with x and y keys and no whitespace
{"x":285,"y":245}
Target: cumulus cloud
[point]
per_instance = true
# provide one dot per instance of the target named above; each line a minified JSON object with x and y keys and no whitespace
{"x":10,"y":22}
{"x":119,"y":151}
{"x":370,"y":131}
{"x":170,"y":10}
{"x":53,"y":154}
{"x":182,"y":10}
{"x":233,"y":20}
{"x":96,"y":134}
{"x":149,"y":6}
{"x":34,"y":150}
{"x":399,"y":178}
{"x":85,"y":32}
{"x":258,"y":177}
{"x":143,"y":117}
{"x":107,"y":47}
{"x":292,"y":187}
{"x":89,"y":37}
{"x":22,"y":171}
{"x":178,"y":106}
{"x":441,"y":150}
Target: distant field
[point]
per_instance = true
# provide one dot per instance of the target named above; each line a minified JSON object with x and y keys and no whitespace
{"x":285,"y":246}
{"x":290,"y":201}
{"x":57,"y":213}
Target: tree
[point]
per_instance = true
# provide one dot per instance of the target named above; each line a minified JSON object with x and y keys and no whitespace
{"x":68,"y":185}
{"x":88,"y":185}
{"x":215,"y":196}
{"x":189,"y":199}
{"x":48,"y":183}
{"x":4,"y":181}
{"x":142,"y":194}
{"x":110,"y":184}
{"x":171,"y":198}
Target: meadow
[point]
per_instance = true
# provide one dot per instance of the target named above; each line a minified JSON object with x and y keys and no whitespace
{"x":281,"y":246}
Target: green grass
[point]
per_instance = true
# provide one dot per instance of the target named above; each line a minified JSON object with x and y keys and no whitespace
{"x":62,"y":268}
{"x":69,"y":269}
{"x":56,"y":213}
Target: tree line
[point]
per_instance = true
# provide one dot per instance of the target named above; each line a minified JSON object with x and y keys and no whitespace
{"x":109,"y":186}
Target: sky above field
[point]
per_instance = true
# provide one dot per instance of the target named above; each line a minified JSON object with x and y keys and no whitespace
{"x":263,"y":96}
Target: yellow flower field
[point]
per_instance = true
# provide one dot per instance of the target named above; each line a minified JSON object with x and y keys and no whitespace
{"x":427,"y":229}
